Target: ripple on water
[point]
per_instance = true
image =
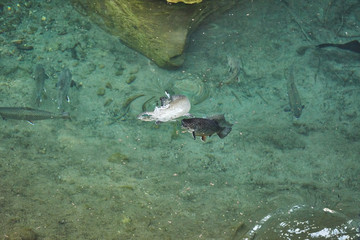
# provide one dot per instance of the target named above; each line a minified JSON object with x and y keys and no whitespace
{"x":194,"y":88}
{"x":304,"y":222}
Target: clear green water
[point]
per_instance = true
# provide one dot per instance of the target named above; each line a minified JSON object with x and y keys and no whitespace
{"x":273,"y":177}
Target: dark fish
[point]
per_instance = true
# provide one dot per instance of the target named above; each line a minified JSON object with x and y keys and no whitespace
{"x":293,"y":94}
{"x":353,"y":46}
{"x":63,"y":86}
{"x":207,"y":126}
{"x":29,"y":114}
{"x":40,"y":77}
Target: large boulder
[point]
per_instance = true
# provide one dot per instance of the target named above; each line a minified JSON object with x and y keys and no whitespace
{"x":155,"y":28}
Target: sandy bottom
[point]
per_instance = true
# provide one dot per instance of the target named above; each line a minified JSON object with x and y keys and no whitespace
{"x":273,"y":177}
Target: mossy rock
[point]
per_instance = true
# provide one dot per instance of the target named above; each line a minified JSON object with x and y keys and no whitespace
{"x":153,"y":27}
{"x":184,"y":1}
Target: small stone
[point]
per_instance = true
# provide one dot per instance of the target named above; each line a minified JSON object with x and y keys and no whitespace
{"x":134,"y":71}
{"x":108,"y":85}
{"x":131,"y":79}
{"x":119,"y":72}
{"x":101,"y":91}
{"x":108,"y":102}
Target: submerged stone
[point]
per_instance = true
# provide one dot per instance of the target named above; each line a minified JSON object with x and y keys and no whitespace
{"x":154,"y":28}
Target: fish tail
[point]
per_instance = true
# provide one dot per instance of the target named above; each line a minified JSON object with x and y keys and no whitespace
{"x":224,"y":132}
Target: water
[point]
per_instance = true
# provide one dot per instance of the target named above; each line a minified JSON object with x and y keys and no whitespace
{"x":90,"y":179}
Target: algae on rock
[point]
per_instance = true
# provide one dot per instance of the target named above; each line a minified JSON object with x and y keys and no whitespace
{"x":184,"y":1}
{"x":154,"y":28}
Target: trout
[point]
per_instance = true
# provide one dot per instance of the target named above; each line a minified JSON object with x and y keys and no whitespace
{"x":29,"y":114}
{"x":40,"y":77}
{"x":293,"y":94}
{"x":63,"y":86}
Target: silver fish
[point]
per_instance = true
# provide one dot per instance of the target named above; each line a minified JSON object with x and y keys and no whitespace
{"x":29,"y":114}
{"x":293,"y":94}
{"x":207,"y":126}
{"x":63,"y":86}
{"x":40,"y":77}
{"x":172,"y":107}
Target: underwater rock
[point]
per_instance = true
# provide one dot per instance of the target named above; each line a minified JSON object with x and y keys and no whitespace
{"x":100,"y":91}
{"x":184,"y":1}
{"x":154,"y":28}
{"x":130,"y":79}
{"x":108,"y":102}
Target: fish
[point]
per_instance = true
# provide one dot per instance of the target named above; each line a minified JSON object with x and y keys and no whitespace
{"x":294,"y":97}
{"x":172,"y":107}
{"x":29,"y":114}
{"x":40,"y":77}
{"x":63,"y":86}
{"x":353,"y":46}
{"x":207,"y":126}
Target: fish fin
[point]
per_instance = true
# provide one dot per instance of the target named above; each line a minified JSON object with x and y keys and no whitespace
{"x":224,"y":132}
{"x":193,"y":133}
{"x":203,"y":138}
{"x":167,"y":94}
